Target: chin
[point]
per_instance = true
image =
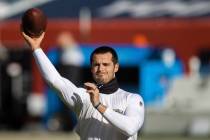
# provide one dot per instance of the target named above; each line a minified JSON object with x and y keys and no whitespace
{"x":101,"y":81}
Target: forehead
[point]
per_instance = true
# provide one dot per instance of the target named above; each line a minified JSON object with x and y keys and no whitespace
{"x":102,"y":57}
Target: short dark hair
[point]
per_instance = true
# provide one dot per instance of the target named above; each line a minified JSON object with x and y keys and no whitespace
{"x":102,"y":50}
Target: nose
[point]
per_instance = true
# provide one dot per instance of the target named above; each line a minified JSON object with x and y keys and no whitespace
{"x":100,"y":67}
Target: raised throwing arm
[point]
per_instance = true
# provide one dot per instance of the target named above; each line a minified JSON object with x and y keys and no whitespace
{"x":69,"y":93}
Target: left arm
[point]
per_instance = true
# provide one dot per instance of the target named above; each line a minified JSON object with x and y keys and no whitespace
{"x":128,"y":123}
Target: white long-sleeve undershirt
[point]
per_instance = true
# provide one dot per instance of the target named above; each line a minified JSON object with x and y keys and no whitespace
{"x":131,"y":121}
{"x":127,"y":122}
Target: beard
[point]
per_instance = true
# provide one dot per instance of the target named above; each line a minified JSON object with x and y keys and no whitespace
{"x":100,"y":79}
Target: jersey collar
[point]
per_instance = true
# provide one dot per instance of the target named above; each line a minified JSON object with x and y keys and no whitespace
{"x":109,"y":88}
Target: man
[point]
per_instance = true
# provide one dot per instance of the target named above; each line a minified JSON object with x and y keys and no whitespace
{"x":104,"y":111}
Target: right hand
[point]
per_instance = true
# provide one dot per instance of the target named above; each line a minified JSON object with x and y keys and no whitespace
{"x":93,"y":92}
{"x":34,"y":43}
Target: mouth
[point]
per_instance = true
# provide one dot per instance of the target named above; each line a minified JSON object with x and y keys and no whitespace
{"x":100,"y":74}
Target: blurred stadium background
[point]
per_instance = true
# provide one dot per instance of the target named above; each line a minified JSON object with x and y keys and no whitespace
{"x":164,"y":51}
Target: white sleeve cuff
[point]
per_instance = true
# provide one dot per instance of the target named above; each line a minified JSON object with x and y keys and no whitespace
{"x":37,"y":51}
{"x":107,"y":112}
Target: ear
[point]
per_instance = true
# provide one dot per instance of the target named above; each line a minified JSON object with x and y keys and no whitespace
{"x":116,"y":67}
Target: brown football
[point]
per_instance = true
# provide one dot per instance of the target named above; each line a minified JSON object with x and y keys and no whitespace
{"x":34,"y":22}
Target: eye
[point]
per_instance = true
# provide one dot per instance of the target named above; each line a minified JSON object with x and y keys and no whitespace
{"x":106,"y":64}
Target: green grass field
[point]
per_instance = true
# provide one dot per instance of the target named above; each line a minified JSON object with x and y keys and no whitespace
{"x":4,"y":135}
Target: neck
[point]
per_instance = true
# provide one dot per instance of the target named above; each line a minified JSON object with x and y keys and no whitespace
{"x":109,"y":88}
